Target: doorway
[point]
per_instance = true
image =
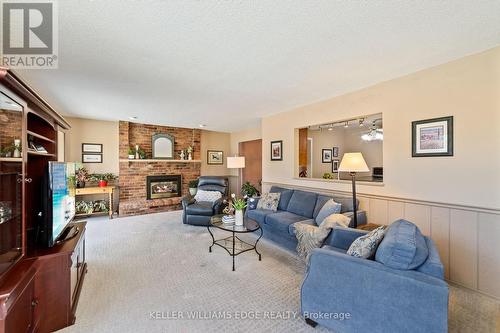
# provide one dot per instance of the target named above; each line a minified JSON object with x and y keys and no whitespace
{"x":252,"y":151}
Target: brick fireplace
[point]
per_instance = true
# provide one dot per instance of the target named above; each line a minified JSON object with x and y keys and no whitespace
{"x":134,"y":175}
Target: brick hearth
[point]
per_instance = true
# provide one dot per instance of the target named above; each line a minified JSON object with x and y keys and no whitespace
{"x":133,"y":174}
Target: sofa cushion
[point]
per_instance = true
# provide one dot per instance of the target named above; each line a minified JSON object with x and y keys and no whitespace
{"x":432,"y":265}
{"x":291,"y":227}
{"x":403,"y":247}
{"x":329,"y":207}
{"x":336,"y":249}
{"x":346,"y":203}
{"x":259,"y":215}
{"x":302,"y":203}
{"x":200,"y":208}
{"x":281,"y":221}
{"x":366,"y":246}
{"x":285,"y":196}
{"x":269,"y":201}
{"x":309,"y":237}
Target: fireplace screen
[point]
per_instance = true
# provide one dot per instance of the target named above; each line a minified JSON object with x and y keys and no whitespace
{"x":159,"y":187}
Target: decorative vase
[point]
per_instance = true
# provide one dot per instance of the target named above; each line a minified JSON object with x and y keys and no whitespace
{"x":190,"y":157}
{"x":103,"y":183}
{"x":80,"y":184}
{"x":136,"y":152}
{"x":238,"y":217}
{"x":17,"y":146}
{"x":193,"y":190}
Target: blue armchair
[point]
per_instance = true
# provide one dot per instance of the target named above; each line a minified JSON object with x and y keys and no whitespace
{"x":350,"y":294}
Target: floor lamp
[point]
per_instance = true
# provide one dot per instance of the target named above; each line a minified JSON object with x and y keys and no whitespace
{"x":352,"y":163}
{"x":236,"y":162}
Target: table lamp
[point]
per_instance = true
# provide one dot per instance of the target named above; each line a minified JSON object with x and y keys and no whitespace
{"x":352,"y":163}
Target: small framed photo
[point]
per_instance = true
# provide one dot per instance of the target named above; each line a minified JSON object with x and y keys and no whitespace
{"x":277,"y":150}
{"x":335,"y":152}
{"x":432,"y":137}
{"x":335,"y":165}
{"x":91,"y":158}
{"x":92,"y":148}
{"x":326,"y":155}
{"x":215,"y":157}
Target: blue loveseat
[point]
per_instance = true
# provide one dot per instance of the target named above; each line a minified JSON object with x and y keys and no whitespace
{"x":295,"y":206}
{"x":373,"y":294}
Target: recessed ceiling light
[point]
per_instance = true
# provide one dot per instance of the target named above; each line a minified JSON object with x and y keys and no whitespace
{"x":346,"y":124}
{"x":132,"y":118}
{"x":203,"y":125}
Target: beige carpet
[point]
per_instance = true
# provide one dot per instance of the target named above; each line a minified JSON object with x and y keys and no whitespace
{"x":155,"y":264}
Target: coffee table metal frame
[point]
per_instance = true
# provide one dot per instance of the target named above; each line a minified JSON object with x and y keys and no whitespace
{"x":231,"y":249}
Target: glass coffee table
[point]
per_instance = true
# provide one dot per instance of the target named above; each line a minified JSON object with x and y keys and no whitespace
{"x":233,"y":244}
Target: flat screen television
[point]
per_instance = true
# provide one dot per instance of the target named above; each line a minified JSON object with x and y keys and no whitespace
{"x":59,"y":202}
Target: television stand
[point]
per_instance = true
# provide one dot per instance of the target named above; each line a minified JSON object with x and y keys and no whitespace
{"x":68,"y":233}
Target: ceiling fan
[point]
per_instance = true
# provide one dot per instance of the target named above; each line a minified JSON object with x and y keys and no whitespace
{"x":373,"y":134}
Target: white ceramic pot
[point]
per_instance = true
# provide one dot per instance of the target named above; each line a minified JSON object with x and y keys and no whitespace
{"x":238,"y":217}
{"x":131,"y":157}
{"x":193,"y":190}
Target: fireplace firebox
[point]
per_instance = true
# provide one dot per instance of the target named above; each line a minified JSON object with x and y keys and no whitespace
{"x":161,"y":187}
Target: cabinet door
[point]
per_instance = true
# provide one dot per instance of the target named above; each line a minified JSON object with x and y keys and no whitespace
{"x":20,"y":317}
{"x":11,"y":180}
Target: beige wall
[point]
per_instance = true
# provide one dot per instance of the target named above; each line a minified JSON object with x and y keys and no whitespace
{"x":211,"y":140}
{"x":327,"y":140}
{"x":467,"y":89}
{"x":93,"y":131}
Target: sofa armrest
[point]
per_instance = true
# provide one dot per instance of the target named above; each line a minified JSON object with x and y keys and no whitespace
{"x":187,"y":200}
{"x":378,"y":298}
{"x":361,"y":216}
{"x":342,"y":238}
{"x":219,"y":204}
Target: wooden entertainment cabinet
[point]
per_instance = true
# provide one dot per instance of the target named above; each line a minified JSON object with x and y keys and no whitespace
{"x":39,"y":287}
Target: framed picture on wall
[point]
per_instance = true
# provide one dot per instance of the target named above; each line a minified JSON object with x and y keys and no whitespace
{"x":277,"y":150}
{"x":326,"y":156}
{"x":432,"y":137}
{"x":335,"y":165}
{"x":92,"y":148}
{"x":91,"y":158}
{"x":335,"y":152}
{"x":215,"y":157}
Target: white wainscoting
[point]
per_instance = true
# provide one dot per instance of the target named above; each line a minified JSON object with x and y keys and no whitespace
{"x":468,"y":238}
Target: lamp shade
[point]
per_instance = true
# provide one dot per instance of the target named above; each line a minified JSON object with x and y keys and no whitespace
{"x":236,"y":162}
{"x":353,"y":162}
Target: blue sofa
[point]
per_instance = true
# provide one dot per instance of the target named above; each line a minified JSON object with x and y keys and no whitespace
{"x":295,"y":206}
{"x":375,"y":296}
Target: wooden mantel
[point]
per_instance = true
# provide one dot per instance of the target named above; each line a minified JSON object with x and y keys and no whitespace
{"x":159,"y":161}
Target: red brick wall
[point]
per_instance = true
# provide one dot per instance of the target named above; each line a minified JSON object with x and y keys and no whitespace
{"x":133,"y":174}
{"x":10,"y":127}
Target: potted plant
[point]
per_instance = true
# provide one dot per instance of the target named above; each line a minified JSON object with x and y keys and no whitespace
{"x":82,"y":176}
{"x":190,"y":151}
{"x":239,"y":204}
{"x":84,"y":207}
{"x":131,"y":153}
{"x":193,"y":187}
{"x":249,"y":190}
{"x":100,"y":206}
{"x":102,"y":178}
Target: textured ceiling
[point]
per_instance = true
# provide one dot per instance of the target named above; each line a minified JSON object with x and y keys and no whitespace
{"x":228,"y":63}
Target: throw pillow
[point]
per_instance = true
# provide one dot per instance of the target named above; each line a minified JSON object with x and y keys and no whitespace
{"x":309,"y":237}
{"x":210,"y":196}
{"x":269,"y":201}
{"x":336,"y":220}
{"x":366,"y":246}
{"x":330,"y":207}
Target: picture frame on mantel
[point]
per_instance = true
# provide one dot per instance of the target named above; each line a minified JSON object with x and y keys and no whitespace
{"x":163,"y":146}
{"x":432,"y":137}
{"x":277,"y":150}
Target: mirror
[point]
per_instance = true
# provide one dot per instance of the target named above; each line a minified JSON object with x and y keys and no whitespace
{"x":322,"y":146}
{"x":163,"y":146}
